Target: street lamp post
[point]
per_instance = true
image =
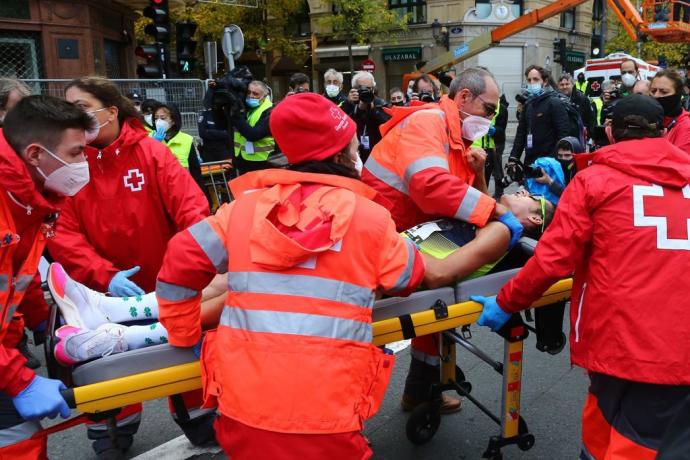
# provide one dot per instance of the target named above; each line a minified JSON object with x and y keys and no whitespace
{"x":440,"y":34}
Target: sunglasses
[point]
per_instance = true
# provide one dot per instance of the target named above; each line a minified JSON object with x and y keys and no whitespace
{"x":489,"y":108}
{"x":542,"y":202}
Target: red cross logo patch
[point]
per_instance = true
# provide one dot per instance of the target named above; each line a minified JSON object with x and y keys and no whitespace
{"x":651,"y":208}
{"x":595,"y":86}
{"x":134,"y":180}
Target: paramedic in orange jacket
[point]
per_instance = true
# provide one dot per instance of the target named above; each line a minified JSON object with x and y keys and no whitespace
{"x":291,"y":366}
{"x":425,"y":169}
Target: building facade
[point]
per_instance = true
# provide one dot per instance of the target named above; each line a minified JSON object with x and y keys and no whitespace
{"x":66,"y":39}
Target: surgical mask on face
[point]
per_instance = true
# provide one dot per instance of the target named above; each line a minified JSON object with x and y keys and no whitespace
{"x":332,"y":90}
{"x":252,"y":103}
{"x":474,"y":127}
{"x":148,"y":118}
{"x":92,"y":134}
{"x":628,"y":80}
{"x":162,"y":125}
{"x":68,"y":179}
{"x":359,"y":165}
{"x":535,"y":89}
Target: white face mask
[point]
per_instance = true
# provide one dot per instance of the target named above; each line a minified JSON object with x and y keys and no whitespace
{"x":332,"y":90}
{"x":163,"y":125}
{"x":148,"y":118}
{"x":629,"y":80}
{"x":92,"y":134}
{"x":67,"y":180}
{"x":359,"y":165}
{"x":474,"y":127}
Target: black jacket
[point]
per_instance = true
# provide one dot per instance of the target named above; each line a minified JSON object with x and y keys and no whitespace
{"x":368,"y":122}
{"x":252,"y":133}
{"x":217,"y":145}
{"x":501,"y":121}
{"x":585,"y":108}
{"x":546,"y":119}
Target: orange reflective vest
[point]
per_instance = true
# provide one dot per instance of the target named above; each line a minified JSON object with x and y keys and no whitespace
{"x":420,"y":168}
{"x":305,"y":254}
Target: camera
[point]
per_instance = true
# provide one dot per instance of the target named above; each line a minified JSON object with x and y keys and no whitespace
{"x":366,"y":95}
{"x":533,"y":172}
{"x":516,"y":172}
{"x":300,"y":90}
{"x":426,"y":96}
{"x":229,"y":91}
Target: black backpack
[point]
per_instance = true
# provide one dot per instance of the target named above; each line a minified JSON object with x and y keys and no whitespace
{"x":576,"y":127}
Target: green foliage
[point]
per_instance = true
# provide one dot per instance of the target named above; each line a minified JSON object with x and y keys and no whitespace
{"x":675,"y":52}
{"x":363,"y":20}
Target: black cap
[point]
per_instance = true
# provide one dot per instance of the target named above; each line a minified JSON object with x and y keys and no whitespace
{"x":636,"y":104}
{"x":134,"y":96}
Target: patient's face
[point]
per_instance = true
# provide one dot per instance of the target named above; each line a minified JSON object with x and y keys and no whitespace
{"x":526,"y":209}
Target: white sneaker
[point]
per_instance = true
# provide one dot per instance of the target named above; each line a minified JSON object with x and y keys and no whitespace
{"x":79,"y":345}
{"x":79,"y":305}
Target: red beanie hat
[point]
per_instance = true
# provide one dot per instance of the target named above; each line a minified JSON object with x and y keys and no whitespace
{"x":307,"y":126}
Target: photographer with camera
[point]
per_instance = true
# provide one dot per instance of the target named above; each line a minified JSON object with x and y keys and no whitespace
{"x":543,"y":120}
{"x":298,"y":83}
{"x":366,"y":110}
{"x":252,"y":134}
{"x":424,"y":90}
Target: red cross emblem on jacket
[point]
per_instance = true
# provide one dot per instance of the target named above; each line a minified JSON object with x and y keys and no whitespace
{"x":134,"y":180}
{"x":655,"y":206}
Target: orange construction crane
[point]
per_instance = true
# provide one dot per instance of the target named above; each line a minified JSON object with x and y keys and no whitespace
{"x":663,"y":21}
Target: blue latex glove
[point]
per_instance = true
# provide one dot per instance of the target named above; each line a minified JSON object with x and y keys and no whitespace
{"x":41,"y":398}
{"x":197,"y":347}
{"x":492,"y":130}
{"x":120,"y":286}
{"x":493,"y":315}
{"x":158,"y":134}
{"x":509,"y":220}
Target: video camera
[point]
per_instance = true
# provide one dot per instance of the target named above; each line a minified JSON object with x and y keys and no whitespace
{"x":426,"y":96}
{"x":229,"y":92}
{"x":516,"y":172}
{"x":366,"y":94}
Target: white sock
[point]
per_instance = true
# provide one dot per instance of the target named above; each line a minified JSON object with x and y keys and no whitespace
{"x":145,"y":336}
{"x":122,"y":309}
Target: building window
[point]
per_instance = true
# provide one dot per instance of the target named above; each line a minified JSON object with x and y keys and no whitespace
{"x":15,"y":9}
{"x":20,"y":55}
{"x":113,"y":59}
{"x":414,"y":9}
{"x":568,"y":19}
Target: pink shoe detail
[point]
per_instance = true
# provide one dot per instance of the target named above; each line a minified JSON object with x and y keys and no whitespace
{"x":60,"y":354}
{"x":58,"y":279}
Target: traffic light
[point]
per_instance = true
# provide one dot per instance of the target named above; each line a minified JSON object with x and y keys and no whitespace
{"x":160,"y":28}
{"x":559,"y":50}
{"x":153,"y":67}
{"x":156,"y":54}
{"x":186,"y":46}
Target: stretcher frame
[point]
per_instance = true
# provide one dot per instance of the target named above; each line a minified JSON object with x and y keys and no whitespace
{"x":216,"y":175}
{"x":101,"y":399}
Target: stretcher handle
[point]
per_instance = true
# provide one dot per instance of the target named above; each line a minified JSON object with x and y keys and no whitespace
{"x":68,"y":396}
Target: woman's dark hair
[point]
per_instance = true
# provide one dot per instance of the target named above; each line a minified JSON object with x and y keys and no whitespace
{"x":545,"y":74}
{"x":641,"y":128}
{"x":672,"y":75}
{"x":149,"y":105}
{"x":327,"y":166}
{"x":174,"y":114}
{"x":109,"y":95}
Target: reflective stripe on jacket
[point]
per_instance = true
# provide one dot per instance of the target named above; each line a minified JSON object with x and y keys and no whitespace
{"x":180,"y":145}
{"x":420,"y":168}
{"x":264,"y":146}
{"x":305,"y":254}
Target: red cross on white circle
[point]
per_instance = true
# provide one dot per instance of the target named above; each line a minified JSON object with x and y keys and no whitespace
{"x":674,"y":203}
{"x":134,"y":180}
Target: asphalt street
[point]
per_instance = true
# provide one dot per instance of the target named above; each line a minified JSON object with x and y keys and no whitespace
{"x":552,"y":399}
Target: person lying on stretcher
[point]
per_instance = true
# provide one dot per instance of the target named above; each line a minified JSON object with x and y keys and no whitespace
{"x":92,"y":327}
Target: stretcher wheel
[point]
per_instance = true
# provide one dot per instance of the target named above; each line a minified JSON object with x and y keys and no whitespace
{"x":460,"y":380}
{"x":423,"y":423}
{"x":527,"y":440}
{"x":555,"y":351}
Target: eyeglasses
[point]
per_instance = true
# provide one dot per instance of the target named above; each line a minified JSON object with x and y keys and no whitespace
{"x":542,"y":202}
{"x":489,"y":108}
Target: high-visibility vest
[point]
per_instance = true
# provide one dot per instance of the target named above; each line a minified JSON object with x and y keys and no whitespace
{"x":264,"y":146}
{"x":581,"y":86}
{"x":180,"y":145}
{"x":488,"y":142}
{"x":599,"y":106}
{"x":13,"y":284}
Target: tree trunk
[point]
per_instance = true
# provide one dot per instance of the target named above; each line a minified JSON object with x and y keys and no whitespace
{"x":268,"y":69}
{"x":349,"y":55}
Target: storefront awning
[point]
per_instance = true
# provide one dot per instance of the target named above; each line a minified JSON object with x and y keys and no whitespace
{"x":341,"y":51}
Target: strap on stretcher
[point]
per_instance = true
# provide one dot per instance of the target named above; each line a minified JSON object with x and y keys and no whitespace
{"x":122,"y":391}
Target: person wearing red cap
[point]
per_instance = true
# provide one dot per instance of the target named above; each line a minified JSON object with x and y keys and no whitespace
{"x":291,"y":366}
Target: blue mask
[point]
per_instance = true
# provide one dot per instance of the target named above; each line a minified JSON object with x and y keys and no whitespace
{"x":535,"y":89}
{"x":252,"y":103}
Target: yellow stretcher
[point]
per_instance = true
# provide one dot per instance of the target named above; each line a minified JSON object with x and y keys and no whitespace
{"x":103,"y":386}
